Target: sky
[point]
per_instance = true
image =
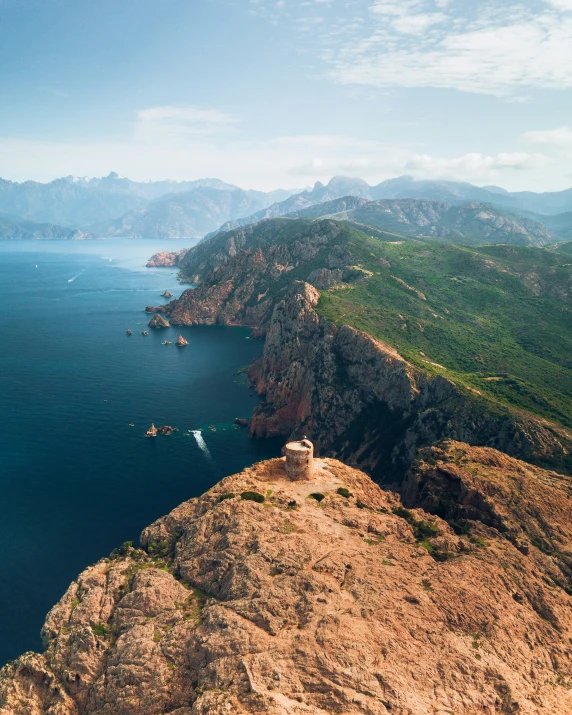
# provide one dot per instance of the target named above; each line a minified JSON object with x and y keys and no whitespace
{"x":283,"y":93}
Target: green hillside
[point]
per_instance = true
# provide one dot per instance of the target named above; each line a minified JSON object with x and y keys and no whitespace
{"x":565,"y":248}
{"x":495,"y":319}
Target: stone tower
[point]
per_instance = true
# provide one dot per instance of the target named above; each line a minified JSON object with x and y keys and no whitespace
{"x":299,"y":460}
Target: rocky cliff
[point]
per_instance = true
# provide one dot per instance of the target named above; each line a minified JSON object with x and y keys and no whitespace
{"x":324,"y":596}
{"x":360,"y":401}
{"x":166,"y":259}
{"x":356,"y":396}
{"x":240,"y":275}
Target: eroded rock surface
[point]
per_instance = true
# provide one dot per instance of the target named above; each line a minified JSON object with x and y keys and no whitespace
{"x":360,"y":401}
{"x":350,"y":605}
{"x":166,"y":259}
{"x":157,"y":321}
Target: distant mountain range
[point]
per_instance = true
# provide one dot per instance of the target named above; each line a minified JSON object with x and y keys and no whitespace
{"x":189,"y":214}
{"x":116,"y":206}
{"x":14,"y":228}
{"x":470,"y":223}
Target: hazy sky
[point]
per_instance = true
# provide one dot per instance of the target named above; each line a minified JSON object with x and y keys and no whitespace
{"x":268,"y":93}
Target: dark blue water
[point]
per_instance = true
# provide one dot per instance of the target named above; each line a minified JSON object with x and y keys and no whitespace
{"x":76,"y":480}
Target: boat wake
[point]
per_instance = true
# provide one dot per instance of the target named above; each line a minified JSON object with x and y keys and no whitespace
{"x":71,"y":280}
{"x":197,"y":434}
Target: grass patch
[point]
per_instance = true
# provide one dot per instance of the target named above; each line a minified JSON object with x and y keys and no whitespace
{"x":193,"y":606}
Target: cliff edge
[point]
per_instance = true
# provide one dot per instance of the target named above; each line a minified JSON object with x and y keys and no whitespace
{"x":325,"y":596}
{"x":375,"y":348}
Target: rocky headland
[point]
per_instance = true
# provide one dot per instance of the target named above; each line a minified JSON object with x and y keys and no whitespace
{"x":329,"y":595}
{"x":357,"y":397}
{"x":364,"y":403}
{"x":166,"y":259}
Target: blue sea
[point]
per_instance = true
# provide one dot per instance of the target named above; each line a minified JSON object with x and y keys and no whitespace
{"x":78,"y":477}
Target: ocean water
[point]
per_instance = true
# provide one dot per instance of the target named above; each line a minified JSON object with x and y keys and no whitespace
{"x":77,"y":475}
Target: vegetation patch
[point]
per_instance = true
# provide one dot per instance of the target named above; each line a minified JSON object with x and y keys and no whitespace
{"x":193,"y":606}
{"x":317,"y":496}
{"x":123,"y":550}
{"x":252,"y":496}
{"x":496,"y":317}
{"x":159,"y":549}
{"x":424,"y":531}
{"x":288,"y":528}
{"x":228,"y":495}
{"x":343,"y":492}
{"x":101,"y":630}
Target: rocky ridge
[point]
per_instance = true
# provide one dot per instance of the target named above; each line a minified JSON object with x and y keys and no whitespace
{"x":362,"y":402}
{"x":238,"y":274}
{"x":470,"y":223}
{"x":14,"y":228}
{"x":349,"y":604}
{"x":356,"y":397}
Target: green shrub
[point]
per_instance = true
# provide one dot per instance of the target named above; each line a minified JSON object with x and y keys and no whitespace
{"x":429,"y":547}
{"x":123,"y":550}
{"x":461,"y":528}
{"x":343,"y":492}
{"x":402,"y":513}
{"x":252,"y":496}
{"x":159,"y":549}
{"x":317,"y":496}
{"x":424,"y":530}
{"x":100,"y":630}
{"x":478,"y":541}
{"x":228,"y":495}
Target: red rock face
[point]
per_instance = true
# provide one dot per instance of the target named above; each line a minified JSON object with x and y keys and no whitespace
{"x":352,"y":604}
{"x":165,"y":259}
{"x":236,"y":282}
{"x":357,"y":398}
{"x":360,"y":401}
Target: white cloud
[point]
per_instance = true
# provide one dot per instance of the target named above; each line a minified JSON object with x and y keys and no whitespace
{"x":475,"y":166}
{"x":481,"y":46}
{"x":561,"y":4}
{"x":499,"y":53}
{"x":165,"y":123}
{"x":263,"y":164}
{"x":417,"y":24}
{"x":556,"y":138}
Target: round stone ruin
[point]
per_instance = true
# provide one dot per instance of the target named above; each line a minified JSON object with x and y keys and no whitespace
{"x":299,"y":460}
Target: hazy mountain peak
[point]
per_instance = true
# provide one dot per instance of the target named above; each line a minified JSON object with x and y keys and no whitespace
{"x":495,"y":189}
